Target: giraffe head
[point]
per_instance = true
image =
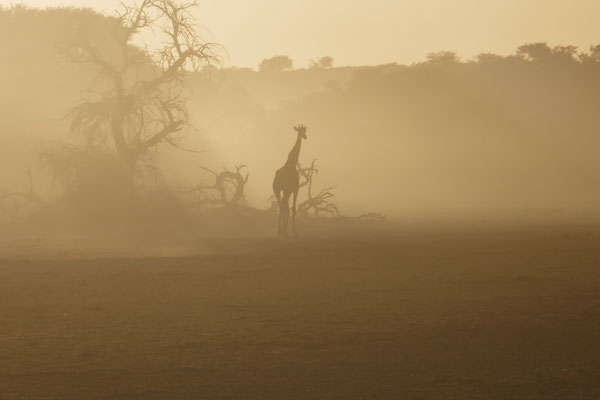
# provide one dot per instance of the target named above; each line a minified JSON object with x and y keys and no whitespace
{"x":301,"y":129}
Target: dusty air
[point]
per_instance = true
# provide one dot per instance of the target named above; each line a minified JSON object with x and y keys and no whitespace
{"x":299,"y":200}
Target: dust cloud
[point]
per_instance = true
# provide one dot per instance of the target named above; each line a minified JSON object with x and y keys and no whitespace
{"x":498,"y":138}
{"x":171,"y":227}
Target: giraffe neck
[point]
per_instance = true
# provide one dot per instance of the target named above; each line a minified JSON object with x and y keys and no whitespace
{"x":295,"y":153}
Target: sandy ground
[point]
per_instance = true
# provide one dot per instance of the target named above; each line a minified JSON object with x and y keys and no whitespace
{"x":453,"y":313}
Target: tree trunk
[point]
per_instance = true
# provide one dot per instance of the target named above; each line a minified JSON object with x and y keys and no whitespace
{"x":125,"y":153}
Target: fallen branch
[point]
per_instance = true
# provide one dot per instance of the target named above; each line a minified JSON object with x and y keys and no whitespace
{"x":227,"y":189}
{"x":319,"y":205}
{"x":371,"y":216}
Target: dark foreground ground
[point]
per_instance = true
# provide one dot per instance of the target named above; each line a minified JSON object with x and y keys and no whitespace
{"x":427,"y":314}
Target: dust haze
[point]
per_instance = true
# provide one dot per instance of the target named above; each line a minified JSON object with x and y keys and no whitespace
{"x":174,"y":226}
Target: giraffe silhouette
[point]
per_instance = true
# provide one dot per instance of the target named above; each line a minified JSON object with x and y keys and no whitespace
{"x":287,"y":183}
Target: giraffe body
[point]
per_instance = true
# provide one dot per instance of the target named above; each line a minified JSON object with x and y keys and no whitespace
{"x":287,"y":183}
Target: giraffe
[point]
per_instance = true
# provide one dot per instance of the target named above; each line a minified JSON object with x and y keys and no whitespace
{"x":287,"y":182}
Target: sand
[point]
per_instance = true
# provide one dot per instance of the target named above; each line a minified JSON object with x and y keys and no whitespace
{"x":440,"y":313}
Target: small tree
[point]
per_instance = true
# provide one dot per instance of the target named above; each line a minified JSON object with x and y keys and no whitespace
{"x":442,"y":58}
{"x":593,"y":57}
{"x":541,"y":52}
{"x":276,"y":64}
{"x":595,"y":53}
{"x":322,"y":63}
{"x":141,"y":104}
{"x":488,"y":58}
{"x":535,"y":51}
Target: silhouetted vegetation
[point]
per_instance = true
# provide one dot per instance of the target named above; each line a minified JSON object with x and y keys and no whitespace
{"x":12,"y":204}
{"x":450,"y":228}
{"x":276,"y":64}
{"x":323,"y":62}
{"x":141,"y":105}
{"x":446,"y":135}
{"x":227,"y":188}
{"x":316,"y":204}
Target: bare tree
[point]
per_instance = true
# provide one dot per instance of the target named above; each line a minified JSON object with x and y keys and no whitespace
{"x":316,"y":205}
{"x":227,"y":189}
{"x":141,"y":104}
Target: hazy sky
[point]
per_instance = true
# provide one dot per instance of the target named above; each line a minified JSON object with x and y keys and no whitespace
{"x":357,"y":32}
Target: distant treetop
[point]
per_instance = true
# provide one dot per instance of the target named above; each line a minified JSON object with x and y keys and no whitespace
{"x":442,"y":58}
{"x":322,"y":63}
{"x":276,"y":64}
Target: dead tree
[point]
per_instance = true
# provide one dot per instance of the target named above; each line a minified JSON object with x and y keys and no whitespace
{"x":20,"y":199}
{"x":227,"y":189}
{"x":316,"y":205}
{"x":141,"y":103}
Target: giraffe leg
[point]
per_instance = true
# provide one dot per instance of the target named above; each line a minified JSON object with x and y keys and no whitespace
{"x":280,"y":213}
{"x":285,"y":210}
{"x":294,"y":212}
{"x":280,"y":222}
